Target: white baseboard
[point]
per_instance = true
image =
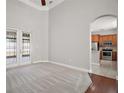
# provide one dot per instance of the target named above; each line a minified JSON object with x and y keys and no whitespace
{"x":40,"y":61}
{"x":26,"y":63}
{"x":69,"y":66}
{"x":61,"y":64}
{"x":95,"y":64}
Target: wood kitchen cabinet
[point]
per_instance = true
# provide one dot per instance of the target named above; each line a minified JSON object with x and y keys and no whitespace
{"x":114,"y":56}
{"x":110,"y":37}
{"x":95,"y":38}
{"x":104,"y":38}
{"x":114,"y":40}
{"x":107,"y":38}
{"x":101,"y":40}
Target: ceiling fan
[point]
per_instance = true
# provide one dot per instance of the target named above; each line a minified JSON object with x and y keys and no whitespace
{"x":43,"y":2}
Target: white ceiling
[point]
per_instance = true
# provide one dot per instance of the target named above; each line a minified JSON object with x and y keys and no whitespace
{"x":37,"y":3}
{"x":104,"y":23}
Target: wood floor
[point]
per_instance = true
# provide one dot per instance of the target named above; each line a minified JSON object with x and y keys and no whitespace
{"x":46,"y":78}
{"x":51,"y":78}
{"x":102,"y":85}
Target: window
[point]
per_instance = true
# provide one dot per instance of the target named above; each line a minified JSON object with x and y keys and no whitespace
{"x":11,"y":42}
{"x":25,"y":47}
{"x":17,"y":47}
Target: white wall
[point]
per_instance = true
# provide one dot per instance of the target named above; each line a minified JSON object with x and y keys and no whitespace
{"x":26,"y":18}
{"x":68,"y":26}
{"x":69,"y":41}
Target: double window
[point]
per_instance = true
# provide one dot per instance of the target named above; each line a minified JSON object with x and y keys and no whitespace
{"x":17,"y":47}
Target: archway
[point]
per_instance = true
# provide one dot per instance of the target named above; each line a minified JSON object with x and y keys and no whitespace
{"x":103,"y":45}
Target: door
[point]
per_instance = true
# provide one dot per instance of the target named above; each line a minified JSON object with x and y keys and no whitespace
{"x":25,"y":48}
{"x":17,"y":47}
{"x":11,"y":47}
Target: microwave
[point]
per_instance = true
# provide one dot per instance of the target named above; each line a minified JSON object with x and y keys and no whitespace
{"x":107,"y":43}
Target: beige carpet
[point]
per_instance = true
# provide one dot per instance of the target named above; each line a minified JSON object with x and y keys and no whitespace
{"x":46,"y":78}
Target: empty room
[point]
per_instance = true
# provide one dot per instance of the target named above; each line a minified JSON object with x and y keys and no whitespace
{"x":61,"y":46}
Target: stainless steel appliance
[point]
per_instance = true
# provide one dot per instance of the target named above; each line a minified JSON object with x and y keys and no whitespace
{"x":95,"y":46}
{"x":107,"y":43}
{"x":107,"y":54}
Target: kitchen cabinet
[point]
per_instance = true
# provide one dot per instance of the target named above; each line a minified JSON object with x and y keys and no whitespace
{"x":95,"y":38}
{"x":104,"y":38}
{"x":114,"y":56}
{"x":100,"y":40}
{"x":107,"y":38}
{"x":110,"y":37}
{"x":114,"y":40}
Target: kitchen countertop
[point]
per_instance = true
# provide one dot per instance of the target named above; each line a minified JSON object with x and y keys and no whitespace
{"x":114,"y":49}
{"x":93,"y":51}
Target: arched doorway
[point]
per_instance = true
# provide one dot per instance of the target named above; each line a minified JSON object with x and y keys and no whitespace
{"x":103,"y":46}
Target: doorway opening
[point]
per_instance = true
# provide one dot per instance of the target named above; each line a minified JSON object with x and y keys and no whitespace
{"x":103,"y":45}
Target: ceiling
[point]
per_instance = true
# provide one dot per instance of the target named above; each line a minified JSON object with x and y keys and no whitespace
{"x":105,"y":22}
{"x":39,"y":5}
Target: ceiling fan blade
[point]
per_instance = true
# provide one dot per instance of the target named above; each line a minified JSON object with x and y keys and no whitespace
{"x":43,"y":2}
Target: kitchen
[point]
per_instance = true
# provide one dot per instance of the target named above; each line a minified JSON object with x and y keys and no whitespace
{"x":104,"y":47}
{"x":107,"y":45}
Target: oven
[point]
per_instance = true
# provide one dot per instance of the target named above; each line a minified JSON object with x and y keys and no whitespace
{"x":107,"y":54}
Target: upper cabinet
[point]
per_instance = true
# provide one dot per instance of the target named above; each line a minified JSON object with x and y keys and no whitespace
{"x":114,"y":40}
{"x":105,"y":38}
{"x":95,"y":38}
